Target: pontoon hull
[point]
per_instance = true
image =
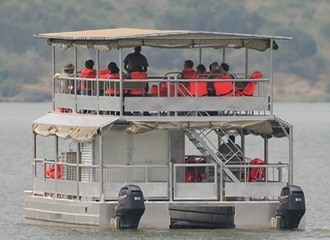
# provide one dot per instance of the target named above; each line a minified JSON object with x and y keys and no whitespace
{"x":158,"y":214}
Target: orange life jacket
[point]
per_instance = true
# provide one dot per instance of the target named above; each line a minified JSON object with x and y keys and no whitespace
{"x":50,"y":171}
{"x":198,"y":88}
{"x":249,"y":88}
{"x":256,"y":173}
{"x":87,"y":73}
{"x":112,"y":90}
{"x":188,"y":72}
{"x":138,"y":76}
{"x":224,"y":88}
{"x":104,"y":73}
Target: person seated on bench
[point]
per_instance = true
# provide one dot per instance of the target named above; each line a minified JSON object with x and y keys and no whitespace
{"x":198,"y":89}
{"x":112,"y":89}
{"x":223,"y":88}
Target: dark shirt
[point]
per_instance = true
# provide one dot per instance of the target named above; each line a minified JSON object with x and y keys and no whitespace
{"x":133,"y":60}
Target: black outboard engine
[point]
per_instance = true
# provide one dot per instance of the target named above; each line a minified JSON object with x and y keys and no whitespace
{"x":292,"y":207}
{"x":130,"y":207}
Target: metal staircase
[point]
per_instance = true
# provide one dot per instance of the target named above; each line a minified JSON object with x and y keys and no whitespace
{"x":195,"y":138}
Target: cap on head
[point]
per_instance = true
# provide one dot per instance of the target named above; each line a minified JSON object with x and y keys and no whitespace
{"x":69,"y":67}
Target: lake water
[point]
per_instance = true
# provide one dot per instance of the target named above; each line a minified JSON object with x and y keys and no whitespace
{"x":311,"y":171}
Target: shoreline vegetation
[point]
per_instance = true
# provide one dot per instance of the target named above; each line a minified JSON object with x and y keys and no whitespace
{"x":301,"y":65}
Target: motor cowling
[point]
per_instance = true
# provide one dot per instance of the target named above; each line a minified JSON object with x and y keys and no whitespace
{"x":130,"y":207}
{"x":292,"y":207}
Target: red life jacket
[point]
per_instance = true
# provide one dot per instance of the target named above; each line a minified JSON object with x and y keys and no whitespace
{"x":224,"y":88}
{"x":249,"y":88}
{"x":50,"y":171}
{"x":104,"y":73}
{"x":138,"y":76}
{"x":198,"y":88}
{"x":256,"y":173}
{"x":188,"y":72}
{"x":111,"y":89}
{"x":87,"y":73}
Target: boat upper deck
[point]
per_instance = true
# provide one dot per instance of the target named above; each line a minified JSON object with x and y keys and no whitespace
{"x":167,"y":95}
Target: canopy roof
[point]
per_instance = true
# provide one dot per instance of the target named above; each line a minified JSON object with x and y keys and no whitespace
{"x":270,"y":128}
{"x":106,"y":39}
{"x":84,"y":127}
{"x":81,"y":128}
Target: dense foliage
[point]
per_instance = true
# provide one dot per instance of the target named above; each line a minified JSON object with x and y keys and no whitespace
{"x":24,"y":61}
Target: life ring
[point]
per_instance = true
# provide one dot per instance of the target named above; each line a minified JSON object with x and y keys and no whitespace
{"x":50,"y":171}
{"x":256,"y":174}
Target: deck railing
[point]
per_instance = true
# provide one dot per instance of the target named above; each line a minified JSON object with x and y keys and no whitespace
{"x":191,"y":181}
{"x":103,"y":96}
{"x":77,"y":181}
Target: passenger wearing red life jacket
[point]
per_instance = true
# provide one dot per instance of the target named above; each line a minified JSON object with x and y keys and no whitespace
{"x":248,"y":90}
{"x":188,"y":69}
{"x":198,"y":89}
{"x":188,"y":72}
{"x":88,"y":72}
{"x":137,"y":76}
{"x":50,"y":171}
{"x":224,"y":88}
{"x":111,"y":88}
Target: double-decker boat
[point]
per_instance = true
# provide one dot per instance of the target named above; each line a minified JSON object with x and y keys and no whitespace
{"x":165,"y":158}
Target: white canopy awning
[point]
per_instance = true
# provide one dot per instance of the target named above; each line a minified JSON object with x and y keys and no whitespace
{"x":106,"y":39}
{"x":270,"y":128}
{"x":78,"y":127}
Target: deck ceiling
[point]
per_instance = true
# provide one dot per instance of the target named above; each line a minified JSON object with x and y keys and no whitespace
{"x":106,"y":39}
{"x":78,"y":127}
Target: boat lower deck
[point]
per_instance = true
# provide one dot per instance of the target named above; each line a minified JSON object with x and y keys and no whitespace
{"x":158,"y":214}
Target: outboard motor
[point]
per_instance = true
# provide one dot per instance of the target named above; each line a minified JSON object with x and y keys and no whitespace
{"x":130,"y":207}
{"x":292,"y":207}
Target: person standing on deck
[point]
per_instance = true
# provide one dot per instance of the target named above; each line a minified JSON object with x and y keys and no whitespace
{"x":135,"y":59}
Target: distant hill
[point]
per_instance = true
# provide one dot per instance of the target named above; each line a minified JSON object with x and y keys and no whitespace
{"x":301,"y":64}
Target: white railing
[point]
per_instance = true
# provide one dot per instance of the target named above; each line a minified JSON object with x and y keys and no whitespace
{"x":103,"y":96}
{"x":82,"y":180}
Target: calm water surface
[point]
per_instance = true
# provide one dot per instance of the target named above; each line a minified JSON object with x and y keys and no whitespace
{"x":311,"y":168}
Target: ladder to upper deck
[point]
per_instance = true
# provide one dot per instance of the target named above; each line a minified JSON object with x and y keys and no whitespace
{"x":210,"y":152}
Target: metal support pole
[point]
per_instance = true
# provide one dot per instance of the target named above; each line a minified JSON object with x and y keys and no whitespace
{"x":75,"y":79}
{"x":243,"y":141}
{"x":101,"y":167}
{"x":266,"y":156}
{"x":271,"y":76}
{"x":121,"y":87}
{"x":291,"y":156}
{"x":170,"y":173}
{"x":55,"y":162}
{"x":266,"y":148}
{"x":97,"y":80}
{"x":77,"y":168}
{"x":53,"y":78}
{"x":34,"y":156}
{"x":200,"y":56}
{"x":246,"y":62}
{"x":224,"y":55}
{"x":221,"y":182}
